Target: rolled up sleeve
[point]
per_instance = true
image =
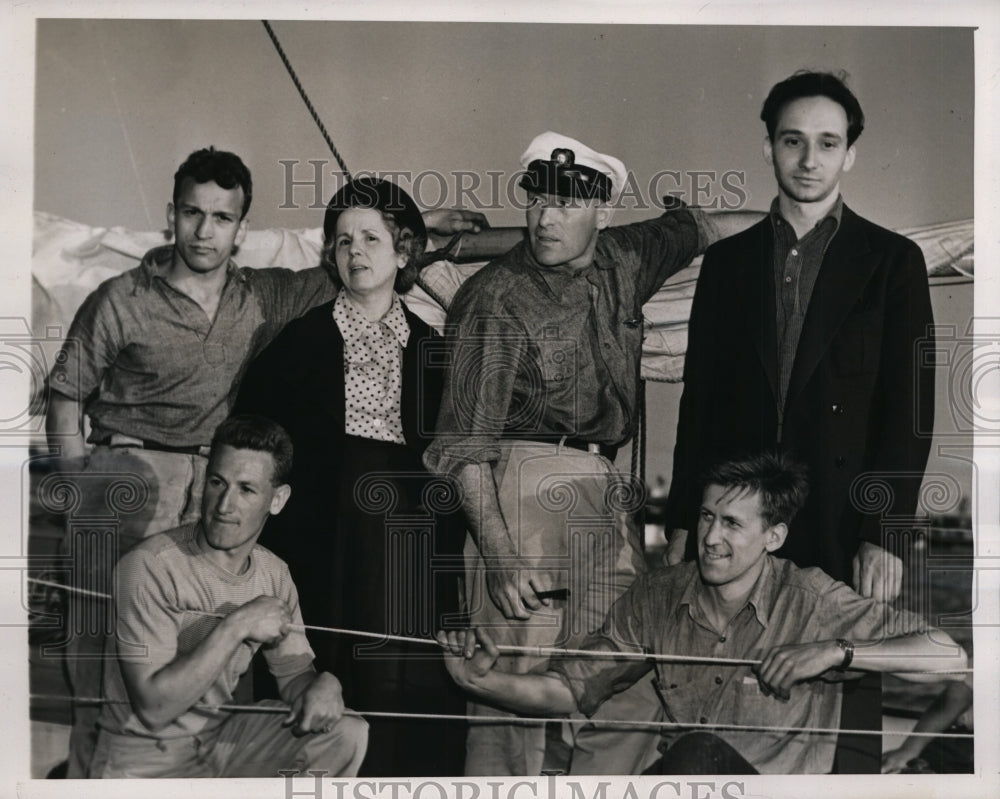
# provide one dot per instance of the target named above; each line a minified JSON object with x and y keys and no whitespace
{"x":486,"y":352}
{"x":593,"y":680}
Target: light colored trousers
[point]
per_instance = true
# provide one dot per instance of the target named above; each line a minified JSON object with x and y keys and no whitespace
{"x":134,"y":493}
{"x":569,"y":514}
{"x":247,"y":744}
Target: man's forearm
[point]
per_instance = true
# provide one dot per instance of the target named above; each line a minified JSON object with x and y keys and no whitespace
{"x":291,"y":688}
{"x":484,"y":246}
{"x":524,"y":694}
{"x":723,"y":224}
{"x":482,"y":510}
{"x":160,"y":697}
{"x":907,"y":654}
{"x":946,"y":708}
{"x":63,"y":427}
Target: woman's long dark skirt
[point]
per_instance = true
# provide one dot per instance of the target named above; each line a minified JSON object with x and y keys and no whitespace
{"x":379,"y":551}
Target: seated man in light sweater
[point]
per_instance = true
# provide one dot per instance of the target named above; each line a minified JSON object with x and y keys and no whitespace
{"x":737,"y":601}
{"x":193,"y":606}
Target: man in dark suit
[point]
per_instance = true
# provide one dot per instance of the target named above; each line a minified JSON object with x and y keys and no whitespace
{"x":803,"y":339}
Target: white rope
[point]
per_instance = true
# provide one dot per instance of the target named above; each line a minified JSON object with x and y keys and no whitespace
{"x":235,"y":708}
{"x":70,"y":588}
{"x":536,"y":651}
{"x":552,"y":651}
{"x":542,"y":651}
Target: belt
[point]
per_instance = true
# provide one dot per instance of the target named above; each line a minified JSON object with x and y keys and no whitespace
{"x":118,"y":440}
{"x":592,"y":447}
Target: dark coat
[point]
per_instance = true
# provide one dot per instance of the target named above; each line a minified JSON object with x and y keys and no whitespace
{"x":298,"y":381}
{"x":299,"y":377}
{"x":860,"y":398}
{"x":369,"y":539}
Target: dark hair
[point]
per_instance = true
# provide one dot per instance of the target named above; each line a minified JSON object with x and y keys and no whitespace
{"x":224,"y":168}
{"x":258,"y":433}
{"x":781,"y":483}
{"x":404,"y":241}
{"x":805,"y":83}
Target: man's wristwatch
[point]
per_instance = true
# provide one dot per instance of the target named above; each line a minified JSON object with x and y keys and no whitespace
{"x":848,"y":649}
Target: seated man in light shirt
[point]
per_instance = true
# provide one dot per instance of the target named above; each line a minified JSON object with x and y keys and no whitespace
{"x":193,"y":606}
{"x":737,"y":601}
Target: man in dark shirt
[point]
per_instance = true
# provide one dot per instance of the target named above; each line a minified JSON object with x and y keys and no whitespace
{"x":541,"y":391}
{"x":803,"y":339}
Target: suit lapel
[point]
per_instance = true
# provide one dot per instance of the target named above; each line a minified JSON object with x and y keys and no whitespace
{"x":846,"y":270}
{"x":761,"y":315}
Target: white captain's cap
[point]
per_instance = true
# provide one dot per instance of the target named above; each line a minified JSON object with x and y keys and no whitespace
{"x":557,"y":164}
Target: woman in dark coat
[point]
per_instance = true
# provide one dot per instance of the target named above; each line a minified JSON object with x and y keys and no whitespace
{"x":372,"y":541}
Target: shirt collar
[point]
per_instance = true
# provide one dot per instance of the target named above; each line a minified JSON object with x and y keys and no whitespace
{"x":349,"y":318}
{"x":764,"y":591}
{"x":156,"y":263}
{"x":835,"y":213}
{"x":761,"y":597}
{"x":693,"y":586}
{"x":197,"y":535}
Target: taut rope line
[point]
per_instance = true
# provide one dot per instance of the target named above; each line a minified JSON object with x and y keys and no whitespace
{"x":508,"y":649}
{"x":234,"y":708}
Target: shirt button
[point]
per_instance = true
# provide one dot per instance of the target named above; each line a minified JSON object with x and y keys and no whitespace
{"x":837,"y":408}
{"x":722,"y":639}
{"x":788,"y":278}
{"x":377,"y":422}
{"x":795,"y":252}
{"x":718,"y":681}
{"x":839,"y":461}
{"x":703,"y":720}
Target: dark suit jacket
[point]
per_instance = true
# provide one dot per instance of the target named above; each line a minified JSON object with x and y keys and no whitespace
{"x":859,"y":401}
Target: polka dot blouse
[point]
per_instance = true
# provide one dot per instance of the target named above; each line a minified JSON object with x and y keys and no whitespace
{"x":372,"y":369}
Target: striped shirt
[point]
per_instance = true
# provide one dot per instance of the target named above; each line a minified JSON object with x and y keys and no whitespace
{"x":164,"y":588}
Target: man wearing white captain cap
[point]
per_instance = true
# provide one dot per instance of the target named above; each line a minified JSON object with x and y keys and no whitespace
{"x":543,"y":373}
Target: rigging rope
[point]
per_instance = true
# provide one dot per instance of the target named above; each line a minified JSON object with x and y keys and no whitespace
{"x":385,"y":714}
{"x":426,"y":258}
{"x":536,"y":651}
{"x":305,"y":98}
